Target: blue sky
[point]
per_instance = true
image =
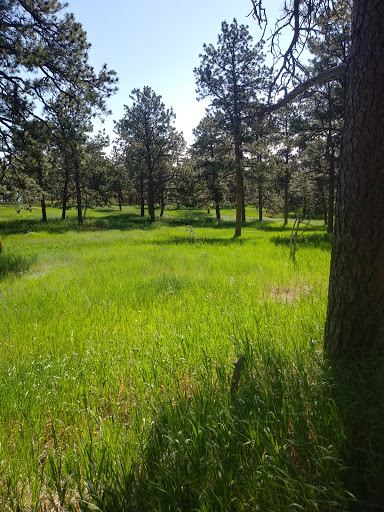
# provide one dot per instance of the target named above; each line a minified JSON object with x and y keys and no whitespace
{"x":158,"y":44}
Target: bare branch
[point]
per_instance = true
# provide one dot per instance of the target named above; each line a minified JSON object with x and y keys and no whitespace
{"x":322,"y":77}
{"x":258,"y":12}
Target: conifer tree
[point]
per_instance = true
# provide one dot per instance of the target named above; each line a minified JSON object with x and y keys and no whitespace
{"x":44,"y":60}
{"x":151,"y":142}
{"x":232,"y":75}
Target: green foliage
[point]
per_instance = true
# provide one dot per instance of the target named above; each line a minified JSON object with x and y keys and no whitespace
{"x":211,"y":153}
{"x":48,"y":94}
{"x":151,"y":143}
{"x":233,"y":76}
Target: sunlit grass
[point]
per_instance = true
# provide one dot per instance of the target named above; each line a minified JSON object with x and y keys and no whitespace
{"x":117,"y":342}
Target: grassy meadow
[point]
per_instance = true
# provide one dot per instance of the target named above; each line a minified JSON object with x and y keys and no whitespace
{"x":117,"y":342}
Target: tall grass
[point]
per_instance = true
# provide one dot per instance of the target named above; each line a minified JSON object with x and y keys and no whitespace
{"x":117,"y":342}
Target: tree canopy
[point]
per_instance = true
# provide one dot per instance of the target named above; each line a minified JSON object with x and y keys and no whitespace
{"x":232,"y":75}
{"x":44,"y":55}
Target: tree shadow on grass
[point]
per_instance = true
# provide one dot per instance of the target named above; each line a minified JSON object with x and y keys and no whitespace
{"x":315,"y":239}
{"x":14,"y":264}
{"x":358,"y":391}
{"x":214,"y":449}
{"x":197,"y":220}
{"x":121,"y":221}
{"x":100,"y":219}
{"x":198,"y":241}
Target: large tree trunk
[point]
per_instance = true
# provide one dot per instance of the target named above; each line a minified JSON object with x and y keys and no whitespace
{"x":355,"y":317}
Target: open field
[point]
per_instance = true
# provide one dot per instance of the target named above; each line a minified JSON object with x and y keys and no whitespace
{"x":116,"y":348}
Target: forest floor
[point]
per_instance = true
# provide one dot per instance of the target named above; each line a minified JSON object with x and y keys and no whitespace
{"x":117,"y":382}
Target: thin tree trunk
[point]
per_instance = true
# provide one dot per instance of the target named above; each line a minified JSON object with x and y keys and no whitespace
{"x":355,"y":317}
{"x":324,"y":204}
{"x":286,"y":189}
{"x":331,"y":192}
{"x":86,"y":205}
{"x":120,"y":198}
{"x":78,"y":193}
{"x":218,"y":216}
{"x":151,"y":198}
{"x":64,"y":208}
{"x":260,"y":190}
{"x":65,"y":192}
{"x":142,"y":206}
{"x":43,"y":209}
{"x":162,"y":204}
{"x":243,"y":217}
{"x":239,"y":189}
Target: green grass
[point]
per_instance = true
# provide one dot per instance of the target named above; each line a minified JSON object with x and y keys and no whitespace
{"x":117,"y":342}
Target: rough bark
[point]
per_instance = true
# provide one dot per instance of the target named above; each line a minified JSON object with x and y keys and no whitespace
{"x":355,"y":318}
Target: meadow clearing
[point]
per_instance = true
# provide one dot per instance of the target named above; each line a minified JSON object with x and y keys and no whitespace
{"x":117,"y":342}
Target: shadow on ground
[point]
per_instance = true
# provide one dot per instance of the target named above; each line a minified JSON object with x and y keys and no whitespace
{"x":319,"y":240}
{"x":358,"y":391}
{"x":14,"y":264}
{"x":100,"y":219}
{"x":122,"y":221}
{"x":180,"y":240}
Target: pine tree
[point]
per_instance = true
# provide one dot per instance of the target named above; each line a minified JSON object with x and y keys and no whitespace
{"x":232,"y":75}
{"x":151,"y":142}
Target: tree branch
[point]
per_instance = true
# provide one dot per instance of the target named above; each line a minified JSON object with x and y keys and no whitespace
{"x":322,"y":77}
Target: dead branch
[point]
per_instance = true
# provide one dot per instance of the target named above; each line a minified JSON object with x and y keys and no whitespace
{"x":322,"y":77}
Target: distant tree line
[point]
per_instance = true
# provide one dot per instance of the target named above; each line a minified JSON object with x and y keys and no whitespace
{"x":286,"y":161}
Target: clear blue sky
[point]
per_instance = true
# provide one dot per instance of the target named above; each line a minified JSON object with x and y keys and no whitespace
{"x":157,"y":43}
